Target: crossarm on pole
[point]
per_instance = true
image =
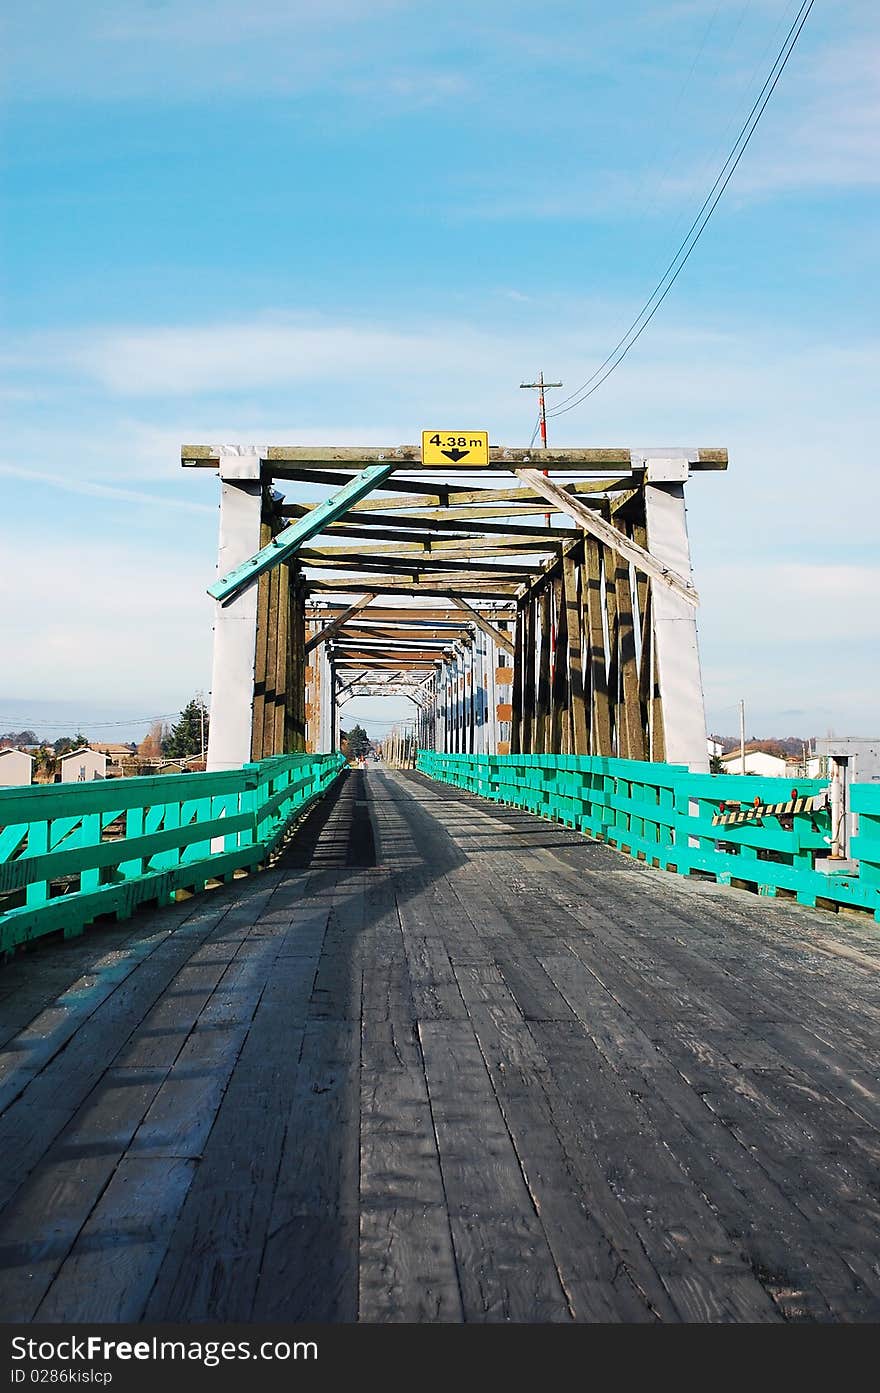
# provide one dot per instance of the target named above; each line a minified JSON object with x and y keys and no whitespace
{"x":292,"y":538}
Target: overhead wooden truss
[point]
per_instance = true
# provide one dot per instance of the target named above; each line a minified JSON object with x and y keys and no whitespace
{"x":348,"y":571}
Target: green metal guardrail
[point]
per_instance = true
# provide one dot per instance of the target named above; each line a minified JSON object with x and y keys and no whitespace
{"x":662,"y":814}
{"x":72,"y":852}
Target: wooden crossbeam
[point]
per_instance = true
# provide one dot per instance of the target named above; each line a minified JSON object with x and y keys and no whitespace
{"x":463,"y":549}
{"x":353,"y":683}
{"x":354,"y":585}
{"x":416,"y":565}
{"x":500,"y":638}
{"x":288,"y":542}
{"x":610,"y":536}
{"x":363,"y":524}
{"x":337,"y":624}
{"x":381,"y":645}
{"x":467,"y":503}
{"x":329,"y":476}
{"x":422,"y":665}
{"x":410,"y":457}
{"x":440,"y":635}
{"x":396,"y":655}
{"x":317,"y":611}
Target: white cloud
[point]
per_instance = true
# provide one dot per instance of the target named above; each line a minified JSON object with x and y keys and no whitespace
{"x":74,"y":483}
{"x":784,"y":544}
{"x":775,"y":604}
{"x":98,"y":617}
{"x":239,"y":356}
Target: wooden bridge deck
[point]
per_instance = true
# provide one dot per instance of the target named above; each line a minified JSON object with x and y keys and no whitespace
{"x":446,"y":1062}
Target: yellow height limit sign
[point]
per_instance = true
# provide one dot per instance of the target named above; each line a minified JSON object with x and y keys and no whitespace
{"x":445,"y":447}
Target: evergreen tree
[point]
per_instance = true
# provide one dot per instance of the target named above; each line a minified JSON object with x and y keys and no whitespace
{"x":359,"y":742}
{"x":186,"y":734}
{"x":70,"y":742}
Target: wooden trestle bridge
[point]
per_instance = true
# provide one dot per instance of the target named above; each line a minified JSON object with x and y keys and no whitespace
{"x":421,"y":1047}
{"x":507,"y":633}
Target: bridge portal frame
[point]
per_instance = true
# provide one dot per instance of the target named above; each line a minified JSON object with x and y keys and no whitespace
{"x":568,"y":639}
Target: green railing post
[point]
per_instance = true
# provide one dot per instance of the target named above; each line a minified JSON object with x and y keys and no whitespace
{"x":663,"y":814}
{"x":71,"y":852}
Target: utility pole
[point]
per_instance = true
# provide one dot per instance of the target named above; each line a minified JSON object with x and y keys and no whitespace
{"x":742,"y":736}
{"x":540,"y":386}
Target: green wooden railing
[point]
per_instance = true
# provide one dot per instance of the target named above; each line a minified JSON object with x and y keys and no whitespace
{"x":662,"y":814}
{"x":72,"y":852}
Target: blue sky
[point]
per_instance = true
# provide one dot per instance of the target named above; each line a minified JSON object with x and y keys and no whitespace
{"x":337,"y":222}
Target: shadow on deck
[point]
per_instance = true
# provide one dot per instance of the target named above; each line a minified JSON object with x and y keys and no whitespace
{"x":444,"y":1062}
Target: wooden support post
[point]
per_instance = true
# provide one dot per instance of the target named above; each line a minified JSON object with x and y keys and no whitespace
{"x":630,"y":736}
{"x":516,"y":715}
{"x":542,"y":704}
{"x":580,"y":731}
{"x":559,"y":685}
{"x":297,"y":704}
{"x":601,"y":706}
{"x":528,"y":704}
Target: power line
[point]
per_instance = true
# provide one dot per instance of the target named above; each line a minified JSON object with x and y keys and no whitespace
{"x":28,"y":721}
{"x":697,"y":227}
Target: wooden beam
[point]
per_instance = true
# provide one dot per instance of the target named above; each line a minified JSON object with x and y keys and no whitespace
{"x":601,"y":709}
{"x":542,"y":699}
{"x":401,"y":656}
{"x":336,"y":624}
{"x":500,"y":638}
{"x":352,"y":683}
{"x":439,"y":633}
{"x":410,"y":457}
{"x":415,"y":565}
{"x":464,"y":549}
{"x":610,"y":536}
{"x":353,"y":585}
{"x":408,"y":527}
{"x":528,"y":702}
{"x":516,"y":691}
{"x":288,"y":542}
{"x":580,"y":726}
{"x":330,"y":476}
{"x":487,"y":497}
{"x":380,"y":665}
{"x":419,"y":615}
{"x":630,"y":738}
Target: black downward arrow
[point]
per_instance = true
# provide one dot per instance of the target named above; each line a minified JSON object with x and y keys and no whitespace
{"x":455,"y":455}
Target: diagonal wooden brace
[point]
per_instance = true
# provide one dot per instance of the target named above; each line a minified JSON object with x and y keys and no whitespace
{"x":333,"y":628}
{"x":591,"y":522}
{"x":288,"y":542}
{"x":501,"y":639}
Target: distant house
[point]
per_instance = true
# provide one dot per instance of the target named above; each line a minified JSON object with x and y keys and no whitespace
{"x":16,"y":768}
{"x":122,"y":758}
{"x":757,"y":762}
{"x":809,"y":768}
{"x":81,"y":766}
{"x":170,"y":766}
{"x":714,"y":747}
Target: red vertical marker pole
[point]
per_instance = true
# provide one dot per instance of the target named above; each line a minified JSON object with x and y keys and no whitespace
{"x":540,"y":386}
